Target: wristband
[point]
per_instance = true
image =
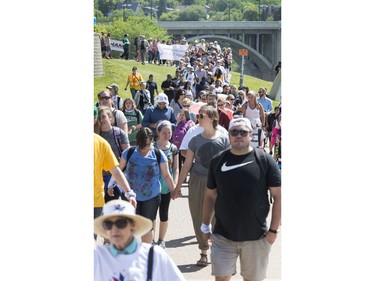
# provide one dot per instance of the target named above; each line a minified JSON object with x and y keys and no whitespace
{"x":206,"y":228}
{"x":129,"y":194}
{"x":273,"y":231}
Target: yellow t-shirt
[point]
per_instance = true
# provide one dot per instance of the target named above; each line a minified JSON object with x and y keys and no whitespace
{"x":104,"y":159}
{"x":135,"y":81}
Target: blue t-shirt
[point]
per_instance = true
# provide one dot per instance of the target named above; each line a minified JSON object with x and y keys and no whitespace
{"x":143,"y":173}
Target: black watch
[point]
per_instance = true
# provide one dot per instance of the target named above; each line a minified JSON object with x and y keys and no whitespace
{"x":273,"y":231}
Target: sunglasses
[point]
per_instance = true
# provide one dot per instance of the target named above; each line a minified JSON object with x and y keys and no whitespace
{"x":104,"y":98}
{"x":200,"y":115}
{"x":220,"y":104}
{"x":232,"y":99}
{"x":235,"y":132}
{"x":120,"y":223}
{"x":186,"y":106}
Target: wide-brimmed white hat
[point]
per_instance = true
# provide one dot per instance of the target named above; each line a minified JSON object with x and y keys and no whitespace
{"x":121,"y":208}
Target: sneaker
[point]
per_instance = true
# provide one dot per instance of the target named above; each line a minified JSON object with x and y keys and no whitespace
{"x":161,"y":243}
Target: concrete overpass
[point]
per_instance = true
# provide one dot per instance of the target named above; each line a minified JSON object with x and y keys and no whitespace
{"x":261,"y":38}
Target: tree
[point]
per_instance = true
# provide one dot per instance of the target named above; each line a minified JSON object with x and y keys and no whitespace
{"x":192,"y":13}
{"x":170,"y":16}
{"x":105,"y":6}
{"x":162,"y":7}
{"x":251,"y":12}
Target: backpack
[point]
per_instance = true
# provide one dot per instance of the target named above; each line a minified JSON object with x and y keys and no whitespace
{"x":114,"y":115}
{"x":143,"y":45}
{"x":259,"y":135}
{"x":132,"y":149}
{"x":117,"y":136}
{"x":260,"y":157}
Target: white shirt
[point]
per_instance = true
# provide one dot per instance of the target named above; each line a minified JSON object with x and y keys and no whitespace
{"x":134,"y":266}
{"x":192,"y":132}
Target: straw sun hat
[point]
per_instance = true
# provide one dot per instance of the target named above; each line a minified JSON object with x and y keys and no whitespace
{"x":121,"y":208}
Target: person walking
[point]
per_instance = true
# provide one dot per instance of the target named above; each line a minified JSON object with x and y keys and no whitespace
{"x":152,"y":86}
{"x":105,"y":99}
{"x":202,"y":148}
{"x":108,"y":50}
{"x":158,"y":112}
{"x":118,"y":140}
{"x":134,"y":117}
{"x":126,"y":47}
{"x":242,"y":177}
{"x":134,"y":80}
{"x":126,"y":258}
{"x":143,"y":168}
{"x":164,"y":131}
{"x":142,"y":98}
{"x":105,"y":159}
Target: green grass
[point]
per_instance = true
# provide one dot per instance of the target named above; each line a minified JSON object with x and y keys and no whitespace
{"x":116,"y":71}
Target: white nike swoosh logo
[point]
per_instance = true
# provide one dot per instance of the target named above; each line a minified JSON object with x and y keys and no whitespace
{"x":226,"y":168}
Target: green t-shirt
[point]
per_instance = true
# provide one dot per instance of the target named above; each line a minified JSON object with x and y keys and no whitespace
{"x":131,"y":116}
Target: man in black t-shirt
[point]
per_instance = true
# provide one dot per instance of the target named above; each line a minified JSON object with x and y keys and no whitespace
{"x":238,"y":183}
{"x":152,"y":86}
{"x":169,"y":87}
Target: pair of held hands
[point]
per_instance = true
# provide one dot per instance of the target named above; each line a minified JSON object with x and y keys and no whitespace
{"x":175,"y":193}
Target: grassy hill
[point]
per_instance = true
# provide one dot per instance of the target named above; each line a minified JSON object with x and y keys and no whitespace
{"x":117,"y":70}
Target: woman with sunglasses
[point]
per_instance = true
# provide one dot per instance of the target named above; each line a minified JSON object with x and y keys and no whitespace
{"x":126,"y":258}
{"x":201,"y":149}
{"x":105,"y":99}
{"x":176,"y":103}
{"x":143,"y":170}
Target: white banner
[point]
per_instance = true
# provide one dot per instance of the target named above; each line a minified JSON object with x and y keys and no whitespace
{"x":172,"y":52}
{"x":117,"y":45}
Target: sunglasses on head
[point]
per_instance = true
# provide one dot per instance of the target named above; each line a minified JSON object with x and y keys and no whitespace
{"x":235,"y":132}
{"x":104,"y":98}
{"x":120,"y":223}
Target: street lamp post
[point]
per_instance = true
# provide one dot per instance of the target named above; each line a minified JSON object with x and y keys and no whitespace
{"x":229,"y":9}
{"x":259,"y":10}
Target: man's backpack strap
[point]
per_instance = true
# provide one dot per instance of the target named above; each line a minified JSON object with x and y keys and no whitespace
{"x":261,"y":158}
{"x":259,"y":136}
{"x":150,"y":263}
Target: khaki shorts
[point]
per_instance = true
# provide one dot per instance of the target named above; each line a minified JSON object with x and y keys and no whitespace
{"x":253,"y":257}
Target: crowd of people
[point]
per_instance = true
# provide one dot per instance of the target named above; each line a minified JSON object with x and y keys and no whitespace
{"x":199,"y":129}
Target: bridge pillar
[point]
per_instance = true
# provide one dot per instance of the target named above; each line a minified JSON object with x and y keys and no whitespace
{"x":257,"y":43}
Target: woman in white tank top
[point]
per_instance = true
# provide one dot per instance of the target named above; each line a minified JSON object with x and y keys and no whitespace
{"x":252,"y":109}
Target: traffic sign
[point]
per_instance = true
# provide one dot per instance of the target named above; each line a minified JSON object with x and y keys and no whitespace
{"x":243,"y":52}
